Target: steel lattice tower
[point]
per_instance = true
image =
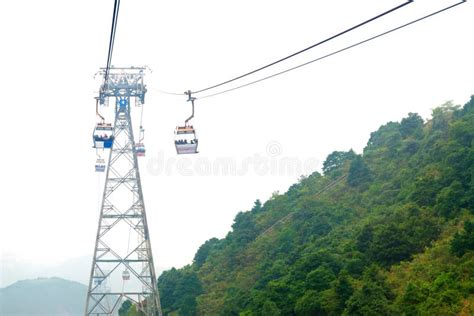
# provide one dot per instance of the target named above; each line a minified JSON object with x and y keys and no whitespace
{"x":122,"y":247}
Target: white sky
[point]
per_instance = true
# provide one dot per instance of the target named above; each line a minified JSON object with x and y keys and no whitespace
{"x":50,"y":51}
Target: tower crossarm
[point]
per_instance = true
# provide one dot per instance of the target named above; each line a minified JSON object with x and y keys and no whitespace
{"x":123,"y":82}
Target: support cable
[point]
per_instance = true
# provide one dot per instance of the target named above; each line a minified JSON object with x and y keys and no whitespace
{"x":97,"y":110}
{"x":167,"y":92}
{"x":112,"y":39}
{"x":337,"y":51}
{"x":306,"y":49}
{"x":190,"y":98}
{"x":286,"y":217}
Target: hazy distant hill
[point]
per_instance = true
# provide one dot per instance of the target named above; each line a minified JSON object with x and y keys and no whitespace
{"x":15,"y":269}
{"x":43,"y":297}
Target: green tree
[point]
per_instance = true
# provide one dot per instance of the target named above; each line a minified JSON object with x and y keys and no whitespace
{"x":336,"y":160}
{"x":413,"y":296}
{"x":411,"y":125}
{"x":372,"y":298}
{"x":427,"y":184}
{"x":257,"y":206}
{"x":359,"y":173}
{"x":270,"y":308}
{"x":204,"y":251}
{"x":398,"y":236}
{"x":442,"y":115}
{"x":123,"y":310}
{"x":387,"y":135}
{"x":343,"y":289}
{"x":133,"y":311}
{"x":368,"y":301}
{"x":449,"y":199}
{"x":464,"y":241}
{"x":320,"y":278}
{"x":444,"y":296}
{"x":309,"y":304}
{"x":244,"y":228}
{"x":179,"y":289}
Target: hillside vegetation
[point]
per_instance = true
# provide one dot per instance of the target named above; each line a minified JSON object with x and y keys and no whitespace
{"x":388,"y":232}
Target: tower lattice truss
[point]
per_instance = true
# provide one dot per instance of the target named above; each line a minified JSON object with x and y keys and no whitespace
{"x":122,"y":266}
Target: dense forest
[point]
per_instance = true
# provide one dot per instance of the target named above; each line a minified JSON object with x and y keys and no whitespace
{"x":387,"y":232}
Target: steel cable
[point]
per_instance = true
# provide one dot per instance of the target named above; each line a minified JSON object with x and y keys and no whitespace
{"x":306,"y":49}
{"x":337,"y":51}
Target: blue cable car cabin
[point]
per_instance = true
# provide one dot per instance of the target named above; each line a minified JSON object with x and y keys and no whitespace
{"x":98,"y":280}
{"x":140,"y":149}
{"x":103,"y":136}
{"x":186,"y":141}
{"x":100,"y":165}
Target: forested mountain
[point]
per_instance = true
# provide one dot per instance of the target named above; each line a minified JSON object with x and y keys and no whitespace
{"x":43,"y":297}
{"x":388,"y":232}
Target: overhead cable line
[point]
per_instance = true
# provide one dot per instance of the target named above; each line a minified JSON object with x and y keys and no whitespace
{"x":337,"y":51}
{"x":289,"y":215}
{"x":306,"y":49}
{"x":112,"y":39}
{"x":166,"y":92}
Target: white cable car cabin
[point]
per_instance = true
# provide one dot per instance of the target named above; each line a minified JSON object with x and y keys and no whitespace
{"x":126,"y":275}
{"x":100,"y":165}
{"x":140,"y":146}
{"x":103,"y":135}
{"x":186,"y":141}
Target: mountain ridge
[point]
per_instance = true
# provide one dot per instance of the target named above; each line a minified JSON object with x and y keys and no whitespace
{"x":43,"y":297}
{"x":386,"y":232}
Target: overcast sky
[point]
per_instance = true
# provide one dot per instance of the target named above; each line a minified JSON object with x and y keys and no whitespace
{"x":51,"y":49}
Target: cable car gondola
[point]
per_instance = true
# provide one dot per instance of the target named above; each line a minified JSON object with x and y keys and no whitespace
{"x":98,"y":281}
{"x":103,"y":135}
{"x":140,"y":149}
{"x":126,"y":275}
{"x":140,"y":146}
{"x":186,"y":141}
{"x":100,"y":165}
